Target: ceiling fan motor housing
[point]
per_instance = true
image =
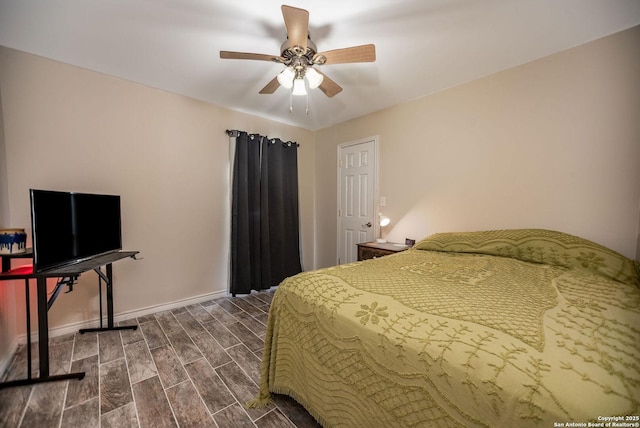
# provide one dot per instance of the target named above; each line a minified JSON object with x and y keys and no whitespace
{"x":310,"y":55}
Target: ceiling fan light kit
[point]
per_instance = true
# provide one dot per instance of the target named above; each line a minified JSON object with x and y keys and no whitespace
{"x":313,"y":77}
{"x":285,"y":78}
{"x":299,"y":54}
{"x":298,"y":87}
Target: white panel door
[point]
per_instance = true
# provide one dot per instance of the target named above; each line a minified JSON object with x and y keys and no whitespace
{"x":356,"y":205}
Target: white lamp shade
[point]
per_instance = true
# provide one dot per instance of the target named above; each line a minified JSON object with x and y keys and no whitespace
{"x":314,"y":78}
{"x":298,"y":87}
{"x":285,"y":78}
{"x":384,"y":221}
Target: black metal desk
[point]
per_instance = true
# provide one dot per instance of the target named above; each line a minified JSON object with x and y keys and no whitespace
{"x":68,"y":274}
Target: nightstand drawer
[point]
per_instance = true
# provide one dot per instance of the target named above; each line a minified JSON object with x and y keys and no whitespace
{"x":371,"y":250}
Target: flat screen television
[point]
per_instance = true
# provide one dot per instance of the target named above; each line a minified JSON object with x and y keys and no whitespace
{"x":69,"y":227}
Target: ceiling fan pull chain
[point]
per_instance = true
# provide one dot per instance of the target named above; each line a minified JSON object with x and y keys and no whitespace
{"x":291,"y":101}
{"x":307,"y":103}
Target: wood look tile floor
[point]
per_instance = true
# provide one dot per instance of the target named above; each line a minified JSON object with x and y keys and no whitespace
{"x":193,"y":366}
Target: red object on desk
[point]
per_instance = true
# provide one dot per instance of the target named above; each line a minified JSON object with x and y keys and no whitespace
{"x":22,"y":270}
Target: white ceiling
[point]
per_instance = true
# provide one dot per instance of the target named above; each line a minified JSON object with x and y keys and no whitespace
{"x":422,"y":46}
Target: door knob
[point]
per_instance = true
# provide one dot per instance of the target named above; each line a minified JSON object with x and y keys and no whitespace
{"x":367,"y":224}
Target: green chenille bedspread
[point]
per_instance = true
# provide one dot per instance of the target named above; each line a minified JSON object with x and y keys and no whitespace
{"x":498,"y":328}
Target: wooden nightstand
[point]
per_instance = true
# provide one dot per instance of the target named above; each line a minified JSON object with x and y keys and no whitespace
{"x":371,"y":250}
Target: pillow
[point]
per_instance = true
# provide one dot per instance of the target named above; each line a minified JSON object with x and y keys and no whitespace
{"x":539,"y":246}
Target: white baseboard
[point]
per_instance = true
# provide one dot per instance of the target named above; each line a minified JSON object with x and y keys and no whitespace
{"x":7,"y":357}
{"x":122,"y":316}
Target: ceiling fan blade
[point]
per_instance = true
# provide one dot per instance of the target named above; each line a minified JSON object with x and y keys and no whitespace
{"x":245,"y":55}
{"x":297,"y":23}
{"x":271,"y":86}
{"x":329,"y":87}
{"x":364,"y":53}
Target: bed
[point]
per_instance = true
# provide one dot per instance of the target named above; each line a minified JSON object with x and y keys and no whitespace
{"x":519,"y":328}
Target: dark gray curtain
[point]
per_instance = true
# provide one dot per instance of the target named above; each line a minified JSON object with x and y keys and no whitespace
{"x":265,"y":232}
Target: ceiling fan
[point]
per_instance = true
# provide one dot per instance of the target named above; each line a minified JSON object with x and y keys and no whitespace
{"x":299,"y":54}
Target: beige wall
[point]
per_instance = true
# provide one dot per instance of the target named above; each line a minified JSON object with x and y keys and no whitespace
{"x":553,"y":144}
{"x":67,"y":128}
{"x":7,"y":290}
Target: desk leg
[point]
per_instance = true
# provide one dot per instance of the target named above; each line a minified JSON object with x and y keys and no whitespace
{"x":43,"y":327}
{"x":28,"y":310}
{"x":110,"y":326}
{"x":109,"y":296}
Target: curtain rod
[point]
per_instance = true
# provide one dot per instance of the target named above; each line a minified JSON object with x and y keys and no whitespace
{"x":234,"y":133}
